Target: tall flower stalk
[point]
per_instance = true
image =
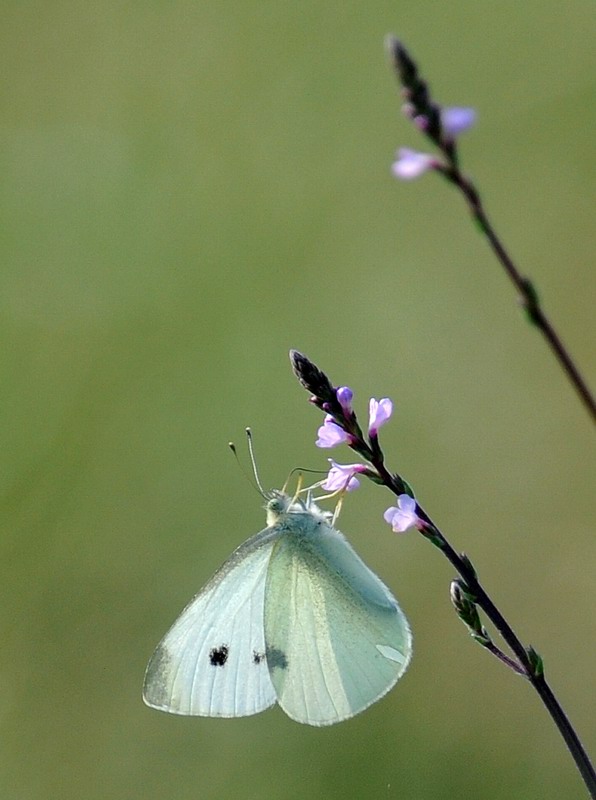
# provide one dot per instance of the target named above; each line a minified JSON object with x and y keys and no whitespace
{"x":442,"y":126}
{"x":467,"y":593}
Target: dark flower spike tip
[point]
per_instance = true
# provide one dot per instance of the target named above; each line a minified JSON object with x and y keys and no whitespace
{"x":416,"y":90}
{"x":316,"y":382}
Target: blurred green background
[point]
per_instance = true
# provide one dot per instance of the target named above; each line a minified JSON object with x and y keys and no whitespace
{"x":190,"y":189}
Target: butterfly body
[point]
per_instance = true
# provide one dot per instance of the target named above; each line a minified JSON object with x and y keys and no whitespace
{"x":294,"y":616}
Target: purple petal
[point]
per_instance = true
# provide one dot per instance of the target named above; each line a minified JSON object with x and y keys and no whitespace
{"x":457,"y":120}
{"x":341,"y":477}
{"x":411,"y":164}
{"x":379,"y":412}
{"x":389,"y":514}
{"x":330,"y":434}
{"x":404,"y":516}
{"x":344,"y":397}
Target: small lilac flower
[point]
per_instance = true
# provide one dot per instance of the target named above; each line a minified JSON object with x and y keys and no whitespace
{"x":330,"y":434}
{"x":457,"y":120}
{"x":411,"y":164}
{"x":421,"y":122}
{"x":344,"y":397}
{"x":404,"y":515}
{"x":379,"y":412}
{"x":341,"y":477}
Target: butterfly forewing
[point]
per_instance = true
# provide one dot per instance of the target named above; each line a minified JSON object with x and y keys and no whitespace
{"x":336,"y":639}
{"x":212,"y":660}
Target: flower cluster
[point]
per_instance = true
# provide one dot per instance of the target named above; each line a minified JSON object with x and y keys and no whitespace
{"x":441,"y":125}
{"x":410,"y":164}
{"x":342,"y":477}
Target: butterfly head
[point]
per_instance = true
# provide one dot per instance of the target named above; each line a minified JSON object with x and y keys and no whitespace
{"x":279,"y":504}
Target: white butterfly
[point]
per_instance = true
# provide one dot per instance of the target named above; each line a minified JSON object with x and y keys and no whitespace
{"x":294,"y":616}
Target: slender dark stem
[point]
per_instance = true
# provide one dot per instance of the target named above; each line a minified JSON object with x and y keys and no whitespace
{"x":538,"y":681}
{"x":528,"y":663}
{"x":482,"y":599}
{"x":567,"y":732}
{"x":528,"y":294}
{"x":421,"y":107}
{"x":509,"y":662}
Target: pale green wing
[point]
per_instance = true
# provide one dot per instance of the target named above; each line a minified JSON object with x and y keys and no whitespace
{"x":212,"y":660}
{"x":336,"y":639}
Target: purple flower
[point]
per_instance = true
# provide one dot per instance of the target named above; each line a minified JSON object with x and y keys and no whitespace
{"x":330,"y":434}
{"x":344,"y":397}
{"x":411,"y":164}
{"x":421,"y":122}
{"x":379,"y":412}
{"x":404,"y":515}
{"x":457,"y":120}
{"x":341,"y":477}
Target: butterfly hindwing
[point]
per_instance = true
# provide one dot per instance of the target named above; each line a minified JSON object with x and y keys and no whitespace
{"x":212,"y":660}
{"x":336,"y":639}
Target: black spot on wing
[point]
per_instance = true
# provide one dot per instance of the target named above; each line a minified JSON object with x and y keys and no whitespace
{"x":257,"y":658}
{"x":276,"y":658}
{"x":219,"y":655}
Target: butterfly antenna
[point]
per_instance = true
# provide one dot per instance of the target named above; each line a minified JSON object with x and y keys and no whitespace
{"x":248,"y":477}
{"x":255,"y":472}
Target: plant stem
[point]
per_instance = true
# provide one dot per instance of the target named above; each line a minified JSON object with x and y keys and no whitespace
{"x":528,"y":294}
{"x":509,"y":662}
{"x":420,"y":107}
{"x":538,"y":681}
{"x":528,"y":663}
